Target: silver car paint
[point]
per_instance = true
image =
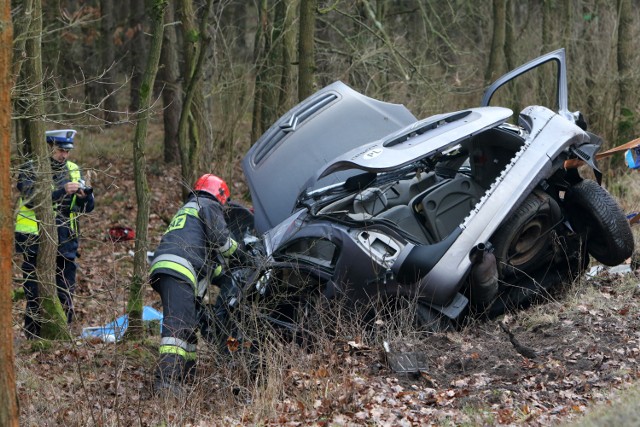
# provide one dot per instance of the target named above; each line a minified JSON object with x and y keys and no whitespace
{"x":548,"y":135}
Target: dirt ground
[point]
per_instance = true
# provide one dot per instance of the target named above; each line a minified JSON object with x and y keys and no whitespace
{"x":544,"y":365}
{"x":577,"y":355}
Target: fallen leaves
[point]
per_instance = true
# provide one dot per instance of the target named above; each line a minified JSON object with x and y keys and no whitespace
{"x":473,"y":377}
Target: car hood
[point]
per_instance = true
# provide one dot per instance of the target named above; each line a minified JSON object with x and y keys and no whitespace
{"x":329,"y":123}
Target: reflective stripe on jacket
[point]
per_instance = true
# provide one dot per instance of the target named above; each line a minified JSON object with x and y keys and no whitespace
{"x":175,"y":264}
{"x":26,"y":221}
{"x":190,"y":248}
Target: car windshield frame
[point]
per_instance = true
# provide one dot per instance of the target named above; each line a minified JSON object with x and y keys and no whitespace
{"x":562,"y":90}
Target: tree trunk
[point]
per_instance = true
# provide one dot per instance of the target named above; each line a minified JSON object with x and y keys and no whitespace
{"x":171,"y":87}
{"x":54,"y":320}
{"x":496,"y":65}
{"x":192,"y":130}
{"x":273,"y":73}
{"x":546,"y":84}
{"x":510,"y":55}
{"x":134,"y":306}
{"x":547,"y":23}
{"x":22,"y":25}
{"x":261,"y":49}
{"x":288,"y":51}
{"x":586,"y":39}
{"x":306,"y":49}
{"x":92,"y":54}
{"x":238,"y":14}
{"x":376,"y":16}
{"x":108,"y":61}
{"x":51,"y":47}
{"x":138,"y":52}
{"x":567,"y":17}
{"x":628,"y":119}
{"x":8,"y":396}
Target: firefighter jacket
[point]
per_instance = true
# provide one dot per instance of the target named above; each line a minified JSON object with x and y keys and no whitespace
{"x":190,"y":248}
{"x":67,"y":207}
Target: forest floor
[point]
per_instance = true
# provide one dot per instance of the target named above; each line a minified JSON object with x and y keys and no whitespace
{"x":581,"y":351}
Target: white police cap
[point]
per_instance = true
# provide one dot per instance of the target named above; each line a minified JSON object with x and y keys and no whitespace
{"x":63,"y":138}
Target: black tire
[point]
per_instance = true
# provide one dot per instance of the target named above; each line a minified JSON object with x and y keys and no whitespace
{"x":523,"y":241}
{"x":594,"y":213}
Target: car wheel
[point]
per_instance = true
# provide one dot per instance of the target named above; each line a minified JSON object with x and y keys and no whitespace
{"x":594,"y":213}
{"x":522,"y":241}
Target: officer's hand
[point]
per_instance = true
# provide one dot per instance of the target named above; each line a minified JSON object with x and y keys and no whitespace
{"x":72,"y":187}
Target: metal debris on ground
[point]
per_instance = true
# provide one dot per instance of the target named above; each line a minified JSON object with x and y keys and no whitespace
{"x":405,"y":362}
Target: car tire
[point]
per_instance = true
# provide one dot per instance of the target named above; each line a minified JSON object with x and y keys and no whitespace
{"x":594,"y":213}
{"x":522,"y":242}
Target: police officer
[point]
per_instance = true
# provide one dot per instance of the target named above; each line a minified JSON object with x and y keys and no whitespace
{"x":186,"y":261}
{"x":70,"y":198}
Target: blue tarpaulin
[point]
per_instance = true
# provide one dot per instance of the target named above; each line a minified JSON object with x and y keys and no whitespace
{"x":114,"y":331}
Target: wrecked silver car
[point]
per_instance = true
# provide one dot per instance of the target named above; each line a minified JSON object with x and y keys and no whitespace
{"x":455,"y":214}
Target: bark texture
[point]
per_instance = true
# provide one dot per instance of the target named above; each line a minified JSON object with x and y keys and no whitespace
{"x":8,"y":397}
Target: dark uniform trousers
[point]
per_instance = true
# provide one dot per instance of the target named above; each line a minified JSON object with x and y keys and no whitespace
{"x":184,"y":261}
{"x":179,"y":323}
{"x":65,"y":283}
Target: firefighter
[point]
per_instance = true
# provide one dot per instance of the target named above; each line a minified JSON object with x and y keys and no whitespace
{"x":71,"y":198}
{"x":189,"y":257}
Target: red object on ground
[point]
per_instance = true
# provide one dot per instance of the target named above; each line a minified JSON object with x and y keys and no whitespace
{"x":121,"y":234}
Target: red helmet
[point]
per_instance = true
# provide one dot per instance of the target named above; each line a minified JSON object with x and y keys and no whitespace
{"x":213,"y":185}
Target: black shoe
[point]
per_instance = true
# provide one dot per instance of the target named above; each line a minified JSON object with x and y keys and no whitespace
{"x":172,"y":373}
{"x":166,"y":389}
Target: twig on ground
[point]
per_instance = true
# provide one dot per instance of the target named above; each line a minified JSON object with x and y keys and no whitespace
{"x":527,"y":352}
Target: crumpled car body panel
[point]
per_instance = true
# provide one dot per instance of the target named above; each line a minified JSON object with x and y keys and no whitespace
{"x":381,"y":204}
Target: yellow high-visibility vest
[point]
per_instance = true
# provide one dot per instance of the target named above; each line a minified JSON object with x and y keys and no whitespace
{"x":26,"y":221}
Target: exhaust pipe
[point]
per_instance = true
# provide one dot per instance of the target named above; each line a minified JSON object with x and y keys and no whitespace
{"x":484,"y":277}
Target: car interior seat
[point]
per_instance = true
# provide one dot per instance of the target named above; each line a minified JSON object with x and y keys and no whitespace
{"x":446,"y":206}
{"x":405,"y":219}
{"x":369,"y":202}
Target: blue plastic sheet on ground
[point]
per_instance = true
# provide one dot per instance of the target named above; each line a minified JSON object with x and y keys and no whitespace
{"x":114,"y":331}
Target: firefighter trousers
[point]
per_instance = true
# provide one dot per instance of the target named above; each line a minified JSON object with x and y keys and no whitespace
{"x":179,"y":324}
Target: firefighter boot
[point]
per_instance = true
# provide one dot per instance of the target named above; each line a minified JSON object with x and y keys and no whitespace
{"x":171,"y":374}
{"x":190,"y":372}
